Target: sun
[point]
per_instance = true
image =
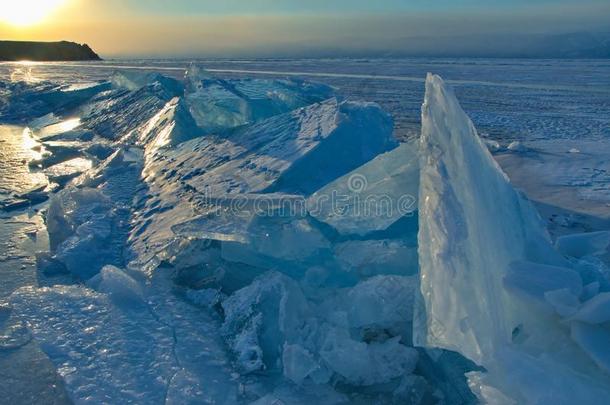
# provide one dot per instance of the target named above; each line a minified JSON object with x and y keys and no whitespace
{"x":23,"y":13}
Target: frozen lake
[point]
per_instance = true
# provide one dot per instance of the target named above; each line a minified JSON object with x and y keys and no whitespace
{"x":558,"y":112}
{"x":28,"y":376}
{"x":509,"y":99}
{"x":552,"y":105}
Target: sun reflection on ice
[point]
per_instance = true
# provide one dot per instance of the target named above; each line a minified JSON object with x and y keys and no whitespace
{"x":68,"y":169}
{"x":69,"y":125}
{"x":29,"y":143}
{"x":58,"y":128}
{"x":24,"y":74}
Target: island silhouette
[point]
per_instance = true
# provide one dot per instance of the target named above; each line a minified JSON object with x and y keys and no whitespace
{"x":45,"y":51}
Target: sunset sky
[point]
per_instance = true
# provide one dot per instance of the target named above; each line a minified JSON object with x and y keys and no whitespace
{"x":290,"y":27}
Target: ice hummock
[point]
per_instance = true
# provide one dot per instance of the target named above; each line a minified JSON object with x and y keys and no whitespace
{"x":269,"y":166}
{"x":151,"y":232}
{"x":30,"y":100}
{"x":135,"y":80}
{"x":272,"y":323}
{"x":372,"y":197}
{"x":113,"y":114}
{"x":455,"y":249}
{"x":218,"y":105}
{"x":492,"y":286}
{"x":584,"y":244}
{"x":272,"y":264}
{"x":206,"y":231}
{"x":88,"y":221}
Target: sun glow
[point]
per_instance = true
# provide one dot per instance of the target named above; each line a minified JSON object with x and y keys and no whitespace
{"x":24,"y":13}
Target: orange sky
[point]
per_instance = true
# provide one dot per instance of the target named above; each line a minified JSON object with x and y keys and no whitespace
{"x":234,"y":27}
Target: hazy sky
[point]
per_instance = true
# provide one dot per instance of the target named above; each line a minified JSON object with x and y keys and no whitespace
{"x":293,"y":27}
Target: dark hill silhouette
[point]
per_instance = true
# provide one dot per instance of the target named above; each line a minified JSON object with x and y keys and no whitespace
{"x":45,"y":51}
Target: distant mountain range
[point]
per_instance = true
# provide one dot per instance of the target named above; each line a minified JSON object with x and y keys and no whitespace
{"x":576,"y":45}
{"x":45,"y":51}
{"x":569,"y":45}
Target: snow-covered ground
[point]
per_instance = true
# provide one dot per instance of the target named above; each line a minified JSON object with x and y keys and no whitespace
{"x":242,"y":235}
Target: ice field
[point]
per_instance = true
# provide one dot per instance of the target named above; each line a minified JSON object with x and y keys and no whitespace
{"x":305,"y":231}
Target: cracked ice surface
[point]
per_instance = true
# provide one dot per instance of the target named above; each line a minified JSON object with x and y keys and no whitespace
{"x":111,"y":346}
{"x":97,"y":347}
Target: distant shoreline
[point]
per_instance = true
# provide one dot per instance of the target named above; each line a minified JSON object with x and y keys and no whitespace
{"x":12,"y":51}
